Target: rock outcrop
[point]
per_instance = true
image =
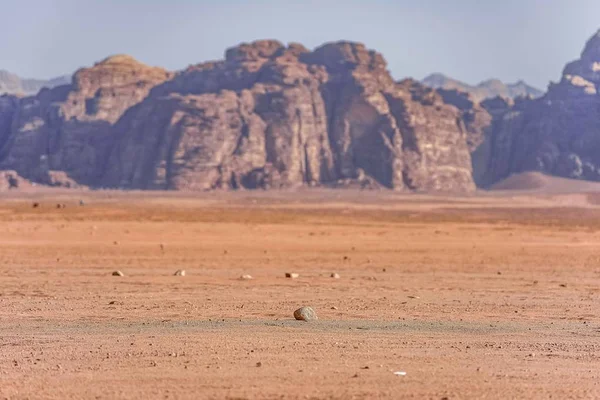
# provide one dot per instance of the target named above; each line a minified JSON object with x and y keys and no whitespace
{"x":69,"y":128}
{"x":271,"y":115}
{"x":10,"y":180}
{"x":267,"y":116}
{"x":556,"y":134}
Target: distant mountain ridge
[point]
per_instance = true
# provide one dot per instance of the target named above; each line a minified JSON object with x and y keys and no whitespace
{"x":13,"y":84}
{"x":484,"y":90}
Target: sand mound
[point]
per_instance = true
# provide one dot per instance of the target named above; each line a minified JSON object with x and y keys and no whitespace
{"x":540,"y":183}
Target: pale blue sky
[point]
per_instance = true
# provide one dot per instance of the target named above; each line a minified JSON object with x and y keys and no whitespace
{"x":470,"y":40}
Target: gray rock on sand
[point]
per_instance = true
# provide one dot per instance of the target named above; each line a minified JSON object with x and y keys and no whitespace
{"x":292,"y":275}
{"x":246,"y":277}
{"x":118,"y":273}
{"x":305,"y":314}
{"x":180,"y":272}
{"x":335,"y":275}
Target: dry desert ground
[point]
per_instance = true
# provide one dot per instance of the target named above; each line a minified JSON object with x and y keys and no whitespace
{"x":493,"y":296}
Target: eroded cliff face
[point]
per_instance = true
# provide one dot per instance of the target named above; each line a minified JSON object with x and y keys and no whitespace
{"x":69,"y":128}
{"x":268,"y":115}
{"x":277,"y":116}
{"x":556,"y":134}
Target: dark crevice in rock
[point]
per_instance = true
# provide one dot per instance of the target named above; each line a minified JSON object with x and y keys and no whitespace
{"x":242,"y":138}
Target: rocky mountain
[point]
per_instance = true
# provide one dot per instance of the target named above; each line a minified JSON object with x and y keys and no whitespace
{"x":66,"y":132}
{"x":558,"y":134}
{"x":13,"y":84}
{"x":484,"y":90}
{"x":267,"y":115}
{"x":274,"y":116}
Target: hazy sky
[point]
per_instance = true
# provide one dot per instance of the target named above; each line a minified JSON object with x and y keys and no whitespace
{"x":470,"y":40}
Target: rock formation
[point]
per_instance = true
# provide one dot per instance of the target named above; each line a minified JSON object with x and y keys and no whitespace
{"x":556,"y":134}
{"x":268,"y":115}
{"x":10,"y":180}
{"x":275,"y":116}
{"x":69,"y":128}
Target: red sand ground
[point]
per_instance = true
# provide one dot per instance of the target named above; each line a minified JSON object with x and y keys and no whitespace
{"x":481,"y":297}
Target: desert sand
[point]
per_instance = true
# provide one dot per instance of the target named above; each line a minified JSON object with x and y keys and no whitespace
{"x":486,"y":296}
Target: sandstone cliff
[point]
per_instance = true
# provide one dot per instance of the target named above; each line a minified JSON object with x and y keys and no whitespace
{"x":268,"y":115}
{"x":275,"y":116}
{"x":69,"y":128}
{"x":556,"y":134}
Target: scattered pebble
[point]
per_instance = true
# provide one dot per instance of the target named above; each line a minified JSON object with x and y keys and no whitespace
{"x":118,"y":273}
{"x":400,"y":373}
{"x":246,"y":277}
{"x":259,"y":364}
{"x":35,"y":205}
{"x":180,"y":272}
{"x":292,"y":275}
{"x":563,"y":285}
{"x":305,"y":314}
{"x":413,"y":297}
{"x":334,"y":308}
{"x":335,"y":276}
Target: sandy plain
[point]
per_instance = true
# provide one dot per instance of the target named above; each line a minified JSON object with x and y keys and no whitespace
{"x":485,"y":296}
